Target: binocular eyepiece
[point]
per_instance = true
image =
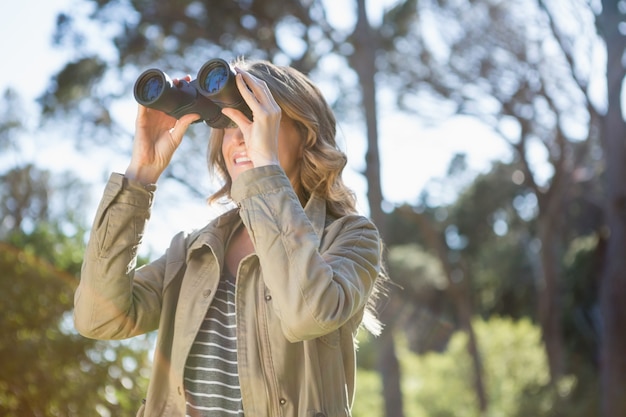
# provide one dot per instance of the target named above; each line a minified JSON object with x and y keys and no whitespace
{"x":213,"y":89}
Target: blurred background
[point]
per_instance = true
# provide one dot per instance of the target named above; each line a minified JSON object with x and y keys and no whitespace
{"x":485,"y":138}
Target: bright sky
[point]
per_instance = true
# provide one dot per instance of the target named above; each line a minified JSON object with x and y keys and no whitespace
{"x":411,"y":155}
{"x":26,"y":27}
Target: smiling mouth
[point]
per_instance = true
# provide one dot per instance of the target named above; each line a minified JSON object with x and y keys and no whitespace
{"x":241,"y":159}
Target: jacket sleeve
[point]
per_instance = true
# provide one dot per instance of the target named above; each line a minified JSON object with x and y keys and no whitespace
{"x":313,"y":293}
{"x":110,"y":301}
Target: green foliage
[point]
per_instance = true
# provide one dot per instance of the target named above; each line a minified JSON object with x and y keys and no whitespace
{"x":581,"y":321}
{"x":368,"y":401}
{"x":412,"y":267}
{"x":78,"y":79}
{"x":503,"y":267}
{"x":427,"y":312}
{"x":492,"y":197}
{"x":489,"y":228}
{"x":48,"y":369}
{"x":515,"y":373}
{"x":504,"y":279}
{"x":401,"y":230}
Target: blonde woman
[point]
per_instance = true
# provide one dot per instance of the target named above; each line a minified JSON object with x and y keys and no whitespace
{"x":258,"y":311}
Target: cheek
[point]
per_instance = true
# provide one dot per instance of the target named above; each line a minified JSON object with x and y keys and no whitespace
{"x":285,"y":154}
{"x":224,"y":151}
{"x":290,"y":145}
{"x":220,"y":160}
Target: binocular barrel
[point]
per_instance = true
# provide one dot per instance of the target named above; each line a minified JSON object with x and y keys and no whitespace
{"x":213,"y":89}
{"x":216,"y":81}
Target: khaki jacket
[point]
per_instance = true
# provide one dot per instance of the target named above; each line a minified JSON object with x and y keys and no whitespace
{"x":300,"y":297}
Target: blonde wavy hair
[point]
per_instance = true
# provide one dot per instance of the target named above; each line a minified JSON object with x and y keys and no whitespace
{"x":322,"y":161}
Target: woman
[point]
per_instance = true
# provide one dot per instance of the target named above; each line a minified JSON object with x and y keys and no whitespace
{"x":257,"y":312}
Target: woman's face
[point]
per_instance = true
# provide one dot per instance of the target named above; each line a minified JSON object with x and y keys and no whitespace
{"x":289,"y":151}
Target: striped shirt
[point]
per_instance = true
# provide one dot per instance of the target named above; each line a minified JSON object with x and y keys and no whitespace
{"x":211,"y":376}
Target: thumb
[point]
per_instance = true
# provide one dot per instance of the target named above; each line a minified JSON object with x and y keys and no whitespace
{"x":188,"y":119}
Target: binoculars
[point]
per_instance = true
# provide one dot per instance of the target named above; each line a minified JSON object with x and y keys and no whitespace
{"x":213,"y":89}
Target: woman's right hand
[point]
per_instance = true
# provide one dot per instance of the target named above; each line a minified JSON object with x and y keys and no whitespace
{"x":157,"y":136}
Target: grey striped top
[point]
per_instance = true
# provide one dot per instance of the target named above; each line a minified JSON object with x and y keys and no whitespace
{"x":211,"y":377}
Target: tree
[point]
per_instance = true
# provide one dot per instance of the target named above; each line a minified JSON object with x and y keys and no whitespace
{"x":487,"y":232}
{"x":455,"y":240}
{"x":437,"y":382}
{"x":613,"y":289}
{"x":510,"y":65}
{"x":12,"y":122}
{"x":49,"y":370}
{"x":427,"y":315}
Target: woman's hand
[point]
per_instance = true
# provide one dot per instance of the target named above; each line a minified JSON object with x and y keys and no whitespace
{"x":261,"y":134}
{"x":157,"y":136}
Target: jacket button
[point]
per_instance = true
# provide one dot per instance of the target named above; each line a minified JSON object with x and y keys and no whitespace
{"x":206,"y":293}
{"x":282,"y":401}
{"x":268,"y":297}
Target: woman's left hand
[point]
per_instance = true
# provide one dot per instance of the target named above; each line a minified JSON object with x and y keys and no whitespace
{"x":261,"y":134}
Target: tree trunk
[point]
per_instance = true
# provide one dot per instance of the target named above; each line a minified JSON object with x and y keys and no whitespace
{"x":549,"y":308}
{"x":613,"y":287}
{"x":459,"y":292}
{"x":387,"y":362}
{"x":363,"y":62}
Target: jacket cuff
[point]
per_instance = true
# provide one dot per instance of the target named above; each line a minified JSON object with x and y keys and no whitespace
{"x":257,"y":181}
{"x":123,"y":190}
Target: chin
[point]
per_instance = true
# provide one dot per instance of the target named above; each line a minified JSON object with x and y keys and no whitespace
{"x":235,"y":172}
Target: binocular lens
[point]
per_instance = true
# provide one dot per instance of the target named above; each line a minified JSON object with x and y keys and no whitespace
{"x":152,"y":89}
{"x":150,"y":86}
{"x":216,"y":79}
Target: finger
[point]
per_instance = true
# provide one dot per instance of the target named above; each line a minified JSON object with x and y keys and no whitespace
{"x":188,"y":119}
{"x":180,"y":127}
{"x":236,"y":116}
{"x":177,"y":81}
{"x":255,"y":87}
{"x":141,"y":118}
{"x":141,"y":110}
{"x":245,"y":90}
{"x":259,"y":100}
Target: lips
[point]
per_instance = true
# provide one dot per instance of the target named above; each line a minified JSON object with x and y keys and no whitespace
{"x":241,"y":158}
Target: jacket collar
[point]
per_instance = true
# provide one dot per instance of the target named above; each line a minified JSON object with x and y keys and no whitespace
{"x":215,"y":235}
